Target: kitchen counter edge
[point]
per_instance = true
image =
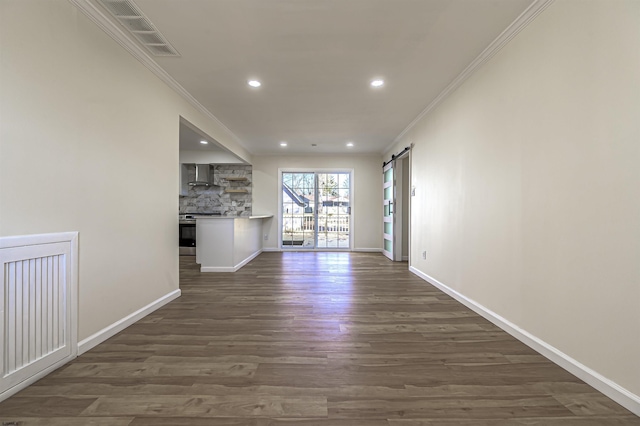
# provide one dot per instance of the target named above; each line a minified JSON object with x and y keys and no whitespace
{"x":261,"y":216}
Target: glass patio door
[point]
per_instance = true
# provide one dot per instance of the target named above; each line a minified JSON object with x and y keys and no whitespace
{"x":316,"y":210}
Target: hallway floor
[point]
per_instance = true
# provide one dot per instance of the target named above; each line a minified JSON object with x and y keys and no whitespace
{"x":307,"y":338}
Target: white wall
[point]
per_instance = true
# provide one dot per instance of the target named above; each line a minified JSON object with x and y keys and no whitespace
{"x":89,"y":143}
{"x":247,"y":239}
{"x":367,"y":190}
{"x":528,"y":185}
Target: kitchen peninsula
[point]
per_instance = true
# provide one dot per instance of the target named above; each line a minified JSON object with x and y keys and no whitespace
{"x":227,"y":243}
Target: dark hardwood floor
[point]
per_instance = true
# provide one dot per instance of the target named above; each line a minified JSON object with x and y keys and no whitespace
{"x":340,"y":339}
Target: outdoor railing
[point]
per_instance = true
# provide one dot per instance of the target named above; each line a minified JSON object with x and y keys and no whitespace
{"x":327,"y":222}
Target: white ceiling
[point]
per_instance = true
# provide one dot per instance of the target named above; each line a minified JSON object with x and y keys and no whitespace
{"x":315,"y":59}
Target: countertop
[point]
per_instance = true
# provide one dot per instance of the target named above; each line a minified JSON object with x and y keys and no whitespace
{"x":259,"y":216}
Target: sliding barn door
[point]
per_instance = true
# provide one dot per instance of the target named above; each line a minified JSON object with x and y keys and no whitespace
{"x":388,"y":186}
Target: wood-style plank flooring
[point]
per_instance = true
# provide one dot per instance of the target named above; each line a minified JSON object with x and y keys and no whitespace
{"x":340,"y":339}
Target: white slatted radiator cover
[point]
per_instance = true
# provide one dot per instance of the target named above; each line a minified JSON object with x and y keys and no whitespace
{"x":38,"y":312}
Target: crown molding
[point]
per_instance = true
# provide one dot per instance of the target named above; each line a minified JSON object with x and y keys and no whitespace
{"x":526,"y":17}
{"x":117,"y":34}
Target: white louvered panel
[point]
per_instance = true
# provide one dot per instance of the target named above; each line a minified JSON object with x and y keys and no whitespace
{"x":35,"y":288}
{"x":36,"y":325}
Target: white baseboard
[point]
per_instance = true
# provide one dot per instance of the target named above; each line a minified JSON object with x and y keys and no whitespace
{"x":362,"y":250}
{"x":217,"y":269}
{"x":230,"y":268}
{"x":248,"y":259}
{"x":31,"y":380}
{"x":608,"y":387}
{"x":115,"y":328}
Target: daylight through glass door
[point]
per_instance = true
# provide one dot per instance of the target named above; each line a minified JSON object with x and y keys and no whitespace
{"x":316,"y":210}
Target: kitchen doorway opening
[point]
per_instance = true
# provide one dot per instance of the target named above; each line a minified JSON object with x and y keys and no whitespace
{"x":315,"y":209}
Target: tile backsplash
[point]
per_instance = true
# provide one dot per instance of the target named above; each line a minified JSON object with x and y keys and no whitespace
{"x":215,"y":199}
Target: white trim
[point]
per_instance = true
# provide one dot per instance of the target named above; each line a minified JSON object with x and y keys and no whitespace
{"x":352,"y":202}
{"x":230,"y":268}
{"x":298,"y":249}
{"x":316,"y":169}
{"x":352,"y":208}
{"x":114,"y":31}
{"x":38,"y":239}
{"x":608,"y":387}
{"x":248,"y":259}
{"x":509,"y":33}
{"x":279,"y":218}
{"x":75,"y":290}
{"x":28,"y":240}
{"x":272,"y":250}
{"x":355,"y":250}
{"x":31,"y":380}
{"x":218,"y":269}
{"x":115,"y":328}
{"x":410,"y":191}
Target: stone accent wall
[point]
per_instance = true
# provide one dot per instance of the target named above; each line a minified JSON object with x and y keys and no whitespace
{"x":214,"y":199}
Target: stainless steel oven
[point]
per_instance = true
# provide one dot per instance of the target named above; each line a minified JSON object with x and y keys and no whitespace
{"x":187,"y":237}
{"x":187,"y":223}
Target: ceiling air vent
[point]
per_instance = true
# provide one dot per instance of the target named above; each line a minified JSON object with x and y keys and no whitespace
{"x":133,"y":20}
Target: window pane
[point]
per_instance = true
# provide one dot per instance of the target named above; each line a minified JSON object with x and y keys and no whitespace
{"x":388,"y":228}
{"x":388,"y":175}
{"x":343,"y":180}
{"x":387,"y":193}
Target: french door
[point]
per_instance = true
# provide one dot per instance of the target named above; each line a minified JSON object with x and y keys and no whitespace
{"x":315,"y":210}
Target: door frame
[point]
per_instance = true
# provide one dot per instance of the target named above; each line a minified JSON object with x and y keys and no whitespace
{"x":352,"y":197}
{"x":406,"y":192}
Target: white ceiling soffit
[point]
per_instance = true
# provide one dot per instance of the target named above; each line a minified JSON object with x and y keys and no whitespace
{"x":317,"y":108}
{"x":192,"y":150}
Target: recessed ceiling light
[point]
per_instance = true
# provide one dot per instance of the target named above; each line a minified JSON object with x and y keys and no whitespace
{"x":377,"y":83}
{"x":204,"y":142}
{"x":349,"y":144}
{"x":283,"y":143}
{"x":254,"y":83}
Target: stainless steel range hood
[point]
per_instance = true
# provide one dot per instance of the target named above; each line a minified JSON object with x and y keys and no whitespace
{"x":204,"y":175}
